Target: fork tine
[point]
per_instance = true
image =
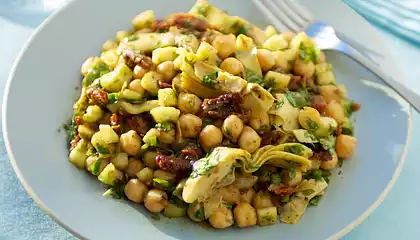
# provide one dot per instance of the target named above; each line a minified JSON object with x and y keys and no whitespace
{"x":279,"y":25}
{"x":282,"y":16}
{"x":291,"y":13}
{"x":300,"y":10}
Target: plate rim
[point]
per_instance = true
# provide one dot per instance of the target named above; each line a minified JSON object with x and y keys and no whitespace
{"x":352,"y":225}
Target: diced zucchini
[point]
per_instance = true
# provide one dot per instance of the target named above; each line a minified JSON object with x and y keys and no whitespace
{"x":167,"y":97}
{"x":276,"y":80}
{"x":160,"y":55}
{"x":165,"y":114}
{"x":275,"y":43}
{"x":110,"y":175}
{"x":174,"y":211}
{"x":78,"y":154}
{"x":113,"y":81}
{"x":267,"y":216}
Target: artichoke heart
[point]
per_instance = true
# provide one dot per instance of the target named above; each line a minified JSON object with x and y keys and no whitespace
{"x":212,"y":172}
{"x":257,"y":99}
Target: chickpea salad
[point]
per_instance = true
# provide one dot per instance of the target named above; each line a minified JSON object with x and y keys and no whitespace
{"x":205,"y":115}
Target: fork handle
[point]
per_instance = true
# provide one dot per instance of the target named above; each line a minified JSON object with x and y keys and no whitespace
{"x":409,"y":95}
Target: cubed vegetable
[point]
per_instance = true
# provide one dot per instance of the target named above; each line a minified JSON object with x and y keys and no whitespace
{"x":144,"y":20}
{"x":167,"y":97}
{"x":150,"y":82}
{"x":161,"y":55}
{"x":165,"y":114}
{"x":277,"y":81}
{"x":267,"y":216}
{"x":110,"y":175}
{"x":275,"y":43}
{"x":113,"y":81}
{"x":78,"y":154}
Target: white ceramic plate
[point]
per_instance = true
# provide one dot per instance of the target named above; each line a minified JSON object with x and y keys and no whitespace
{"x":40,"y":93}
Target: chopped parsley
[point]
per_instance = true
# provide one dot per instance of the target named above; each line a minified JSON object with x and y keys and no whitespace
{"x":94,"y":168}
{"x":113,"y":97}
{"x":155,"y":216}
{"x":295,"y":149}
{"x":116,"y":191}
{"x":167,"y":126}
{"x":161,"y":184}
{"x":313,"y":126}
{"x":252,"y":77}
{"x":275,"y":178}
{"x":102,"y":149}
{"x":242,"y":30}
{"x":210,"y":80}
{"x":314,"y":201}
{"x":96,"y":71}
{"x":328,"y":143}
{"x":348,"y":110}
{"x":264,"y":128}
{"x":227,"y":131}
{"x":205,"y":165}
{"x":199,"y":214}
{"x":340,"y":162}
{"x":292,"y":173}
{"x":70,"y":129}
{"x":298,"y":99}
{"x":309,"y":53}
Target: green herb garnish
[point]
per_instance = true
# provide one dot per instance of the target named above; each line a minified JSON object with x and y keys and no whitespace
{"x":227,"y":131}
{"x":295,"y":149}
{"x":113,"y":97}
{"x":292,"y":173}
{"x":313,"y":126}
{"x":308,"y":192}
{"x":155,"y":216}
{"x":132,"y":38}
{"x":94,"y":168}
{"x":275,"y":178}
{"x":102,"y":149}
{"x":279,"y":104}
{"x":314,"y":201}
{"x":96,"y":71}
{"x":210,"y":80}
{"x":165,"y":126}
{"x":298,"y":99}
{"x":242,"y":30}
{"x":252,"y":77}
{"x":199,"y":214}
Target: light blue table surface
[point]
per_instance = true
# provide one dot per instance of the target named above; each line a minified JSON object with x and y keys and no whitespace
{"x":20,"y":218}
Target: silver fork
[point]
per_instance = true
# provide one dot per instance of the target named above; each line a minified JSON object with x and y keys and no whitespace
{"x":288,"y":15}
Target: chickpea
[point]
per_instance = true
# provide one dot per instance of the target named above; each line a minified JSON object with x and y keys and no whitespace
{"x":232,"y":127}
{"x":120,"y":161}
{"x":121,"y":35}
{"x":225,"y":45}
{"x":134,"y":166}
{"x":190,"y":125}
{"x":167,"y":137}
{"x":233,"y":66}
{"x":149,"y":158}
{"x":156,"y":200}
{"x":145,"y":175}
{"x":168,"y":176}
{"x":221,"y":217}
{"x":167,"y":70}
{"x":247,"y":196}
{"x":292,"y":182}
{"x":196,"y":212}
{"x":139,"y":72}
{"x":108,"y":45}
{"x":249,"y":140}
{"x":262,"y":200}
{"x":231,"y":194}
{"x":330,"y":93}
{"x":210,"y":137}
{"x":345,"y":145}
{"x":245,"y":215}
{"x":328,"y":165}
{"x":135,"y":190}
{"x":130,"y":142}
{"x":336,"y":111}
{"x":266,"y":59}
{"x":302,"y":68}
{"x":260,"y":123}
{"x":189,"y":103}
{"x":135,"y":85}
